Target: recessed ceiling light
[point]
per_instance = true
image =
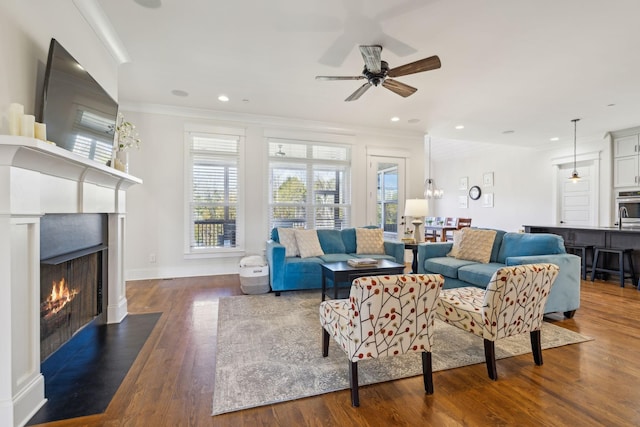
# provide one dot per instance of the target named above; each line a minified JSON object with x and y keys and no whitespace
{"x":223,"y":98}
{"x":395,"y":119}
{"x":178,"y":92}
{"x":413,"y":121}
{"x":555,"y":138}
{"x":459,"y":127}
{"x":507,"y":132}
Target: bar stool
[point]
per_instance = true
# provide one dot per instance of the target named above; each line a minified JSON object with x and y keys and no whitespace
{"x":621,"y":252}
{"x":582,"y":251}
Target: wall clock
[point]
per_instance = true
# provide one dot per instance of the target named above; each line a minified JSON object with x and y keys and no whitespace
{"x":474,"y":192}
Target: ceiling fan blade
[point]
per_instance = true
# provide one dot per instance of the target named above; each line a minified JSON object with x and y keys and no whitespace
{"x":358,"y":93}
{"x":399,"y":88}
{"x":339,"y":77}
{"x":426,"y":64}
{"x":371,"y":56}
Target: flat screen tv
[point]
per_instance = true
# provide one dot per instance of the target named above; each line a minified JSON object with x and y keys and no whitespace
{"x":79,"y":114}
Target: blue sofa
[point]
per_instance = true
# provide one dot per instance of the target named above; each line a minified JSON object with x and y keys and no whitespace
{"x":293,"y":273}
{"x":510,"y":249}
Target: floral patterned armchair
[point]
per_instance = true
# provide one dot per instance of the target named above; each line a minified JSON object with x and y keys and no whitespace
{"x":384,"y":316}
{"x":512,"y":304}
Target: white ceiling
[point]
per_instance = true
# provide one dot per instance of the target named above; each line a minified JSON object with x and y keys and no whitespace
{"x":507,"y":65}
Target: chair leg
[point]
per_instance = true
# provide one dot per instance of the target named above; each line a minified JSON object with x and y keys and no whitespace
{"x":621,"y":269}
{"x":490,"y":357}
{"x":353,"y":380}
{"x":427,"y":372}
{"x":633,"y":271}
{"x":325,"y":342}
{"x":536,"y":347}
{"x":594,"y":265}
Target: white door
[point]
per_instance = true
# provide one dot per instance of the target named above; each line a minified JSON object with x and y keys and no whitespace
{"x":385,"y":194}
{"x":577,"y":200}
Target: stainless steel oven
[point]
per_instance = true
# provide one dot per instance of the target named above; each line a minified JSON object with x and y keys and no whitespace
{"x":628,"y":205}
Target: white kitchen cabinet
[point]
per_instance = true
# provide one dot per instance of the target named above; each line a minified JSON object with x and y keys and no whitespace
{"x":626,"y":161}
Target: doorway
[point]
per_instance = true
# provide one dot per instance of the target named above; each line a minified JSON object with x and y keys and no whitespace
{"x":577,"y":200}
{"x":386,"y":195}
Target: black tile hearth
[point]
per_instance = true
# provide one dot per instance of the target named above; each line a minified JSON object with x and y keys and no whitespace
{"x":84,"y":374}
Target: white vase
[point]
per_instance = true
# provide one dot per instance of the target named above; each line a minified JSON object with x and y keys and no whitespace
{"x":121,"y":162}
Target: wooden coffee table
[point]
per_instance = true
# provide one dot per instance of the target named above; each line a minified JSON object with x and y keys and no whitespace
{"x":341,"y":272}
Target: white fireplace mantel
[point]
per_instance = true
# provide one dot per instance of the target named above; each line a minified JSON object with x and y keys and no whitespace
{"x":38,"y":178}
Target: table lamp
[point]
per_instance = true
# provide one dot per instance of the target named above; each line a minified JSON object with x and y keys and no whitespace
{"x":417,"y":209}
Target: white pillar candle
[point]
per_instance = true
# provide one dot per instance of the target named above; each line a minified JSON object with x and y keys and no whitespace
{"x":27,"y":125}
{"x":16,"y":111}
{"x":40,"y":131}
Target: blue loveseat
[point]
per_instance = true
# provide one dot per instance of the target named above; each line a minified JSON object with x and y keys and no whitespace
{"x":510,"y":249}
{"x":293,"y":272}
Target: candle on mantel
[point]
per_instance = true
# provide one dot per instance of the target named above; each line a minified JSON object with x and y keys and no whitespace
{"x":27,"y":125}
{"x":16,"y":111}
{"x":40,"y":131}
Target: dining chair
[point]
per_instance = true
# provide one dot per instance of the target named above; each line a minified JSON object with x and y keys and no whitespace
{"x":430,"y":235}
{"x":384,"y":316}
{"x":450,"y":222}
{"x":512,"y":304}
{"x":463,"y":222}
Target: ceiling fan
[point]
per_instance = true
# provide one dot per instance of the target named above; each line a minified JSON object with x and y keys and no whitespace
{"x":377,"y":72}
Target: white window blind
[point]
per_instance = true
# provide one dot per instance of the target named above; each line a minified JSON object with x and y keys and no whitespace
{"x":310,"y":184}
{"x":213,"y":205}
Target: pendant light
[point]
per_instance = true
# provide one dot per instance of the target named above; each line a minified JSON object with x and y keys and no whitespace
{"x":430,"y":189}
{"x":574,"y":175}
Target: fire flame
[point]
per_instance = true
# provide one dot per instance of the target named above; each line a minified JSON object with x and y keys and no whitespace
{"x":60,"y":296}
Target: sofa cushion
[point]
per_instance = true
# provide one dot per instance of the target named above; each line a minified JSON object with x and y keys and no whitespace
{"x":476,"y":245}
{"x":331,"y":241}
{"x":478,"y":274}
{"x":296,"y":266}
{"x":446,"y":266}
{"x":369,"y":241}
{"x":287,"y":239}
{"x":308,"y":243}
{"x":525,"y":244}
{"x":455,"y":248}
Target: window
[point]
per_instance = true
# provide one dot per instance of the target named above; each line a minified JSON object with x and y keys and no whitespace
{"x":387,"y":200}
{"x":310,"y":184}
{"x":213,"y":161}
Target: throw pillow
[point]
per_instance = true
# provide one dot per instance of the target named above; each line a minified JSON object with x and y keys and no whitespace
{"x":476,"y":245}
{"x":288,"y":240}
{"x":308,"y":243}
{"x":457,"y":238}
{"x":369,"y":241}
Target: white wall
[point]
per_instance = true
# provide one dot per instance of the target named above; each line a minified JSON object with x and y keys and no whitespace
{"x":524,"y":183}
{"x":155,"y":210}
{"x":26,"y":28}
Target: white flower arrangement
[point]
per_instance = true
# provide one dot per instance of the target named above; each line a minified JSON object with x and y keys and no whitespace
{"x":127,"y":136}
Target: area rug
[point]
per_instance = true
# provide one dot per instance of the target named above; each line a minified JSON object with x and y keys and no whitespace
{"x":269,"y":351}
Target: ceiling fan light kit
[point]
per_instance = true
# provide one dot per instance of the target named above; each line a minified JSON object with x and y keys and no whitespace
{"x":377,"y":73}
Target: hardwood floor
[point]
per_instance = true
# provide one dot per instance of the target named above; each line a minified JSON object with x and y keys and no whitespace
{"x":588,"y":384}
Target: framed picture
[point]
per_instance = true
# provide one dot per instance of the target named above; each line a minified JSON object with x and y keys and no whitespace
{"x":487,"y":200}
{"x":463,"y":202}
{"x":487,"y":179}
{"x":463,"y":184}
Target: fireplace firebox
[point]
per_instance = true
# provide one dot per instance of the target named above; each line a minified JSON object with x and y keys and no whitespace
{"x":72,"y":273}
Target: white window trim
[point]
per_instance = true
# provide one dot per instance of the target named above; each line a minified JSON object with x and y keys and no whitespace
{"x":221,"y":252}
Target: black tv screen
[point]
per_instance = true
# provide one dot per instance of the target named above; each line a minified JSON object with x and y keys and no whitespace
{"x":79,"y":114}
